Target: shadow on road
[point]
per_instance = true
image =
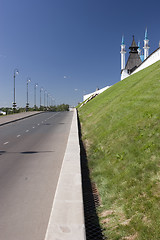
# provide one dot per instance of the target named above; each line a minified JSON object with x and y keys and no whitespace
{"x":27,"y":152}
{"x":2,"y":152}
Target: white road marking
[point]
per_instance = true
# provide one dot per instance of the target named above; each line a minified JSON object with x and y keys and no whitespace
{"x":38,"y":124}
{"x":53,"y":115}
{"x":50,"y":117}
{"x":33,"y":127}
{"x":27,"y":130}
{"x":18,"y":136}
{"x":5,"y":143}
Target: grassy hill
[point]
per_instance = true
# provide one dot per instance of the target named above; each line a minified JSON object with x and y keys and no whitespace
{"x":121,"y":132}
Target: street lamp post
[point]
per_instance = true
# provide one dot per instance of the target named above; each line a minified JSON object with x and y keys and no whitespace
{"x":52,"y":101}
{"x":41,"y":89}
{"x":14,"y":90}
{"x":27,"y":104}
{"x":45,"y":98}
{"x":35,"y":86}
{"x":49,"y":100}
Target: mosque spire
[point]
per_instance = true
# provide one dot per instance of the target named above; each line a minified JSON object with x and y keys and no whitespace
{"x":122,"y":40}
{"x":146,"y":34}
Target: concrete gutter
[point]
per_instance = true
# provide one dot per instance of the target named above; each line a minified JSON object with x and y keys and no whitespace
{"x":16,"y":117}
{"x":67,"y":215}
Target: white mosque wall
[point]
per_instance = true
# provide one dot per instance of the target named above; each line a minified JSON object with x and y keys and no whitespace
{"x":124,"y":74}
{"x":151,"y":59}
{"x":94,"y":93}
{"x":154,"y":57}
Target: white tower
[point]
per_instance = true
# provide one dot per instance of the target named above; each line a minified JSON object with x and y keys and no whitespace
{"x":139,"y":49}
{"x":123,"y":52}
{"x":146,"y":46}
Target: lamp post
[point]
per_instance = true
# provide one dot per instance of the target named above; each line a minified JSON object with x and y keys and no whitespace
{"x":16,"y":72}
{"x":53,"y":101}
{"x":27,"y":104}
{"x":45,"y":97}
{"x":35,"y":86}
{"x":49,"y":98}
{"x":41,"y":89}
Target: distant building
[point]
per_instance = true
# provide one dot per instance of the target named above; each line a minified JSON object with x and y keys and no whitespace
{"x":2,"y":112}
{"x":97,"y":92}
{"x":138,"y":60}
{"x":135,"y":58}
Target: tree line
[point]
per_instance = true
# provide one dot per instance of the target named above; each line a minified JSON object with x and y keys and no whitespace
{"x":55,"y":108}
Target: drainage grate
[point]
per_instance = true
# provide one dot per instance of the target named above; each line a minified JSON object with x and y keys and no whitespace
{"x":91,"y":201}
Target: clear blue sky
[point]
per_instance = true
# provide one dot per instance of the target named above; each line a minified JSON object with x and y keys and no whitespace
{"x":68,"y":47}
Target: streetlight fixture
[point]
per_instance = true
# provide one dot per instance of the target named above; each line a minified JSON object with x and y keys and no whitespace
{"x":35,"y":86}
{"x":27,"y":104}
{"x":16,"y":72}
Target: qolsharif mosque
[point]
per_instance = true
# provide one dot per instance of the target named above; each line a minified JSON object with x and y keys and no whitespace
{"x":138,"y":59}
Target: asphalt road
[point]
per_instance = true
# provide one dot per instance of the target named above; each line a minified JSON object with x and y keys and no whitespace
{"x":31,"y":154}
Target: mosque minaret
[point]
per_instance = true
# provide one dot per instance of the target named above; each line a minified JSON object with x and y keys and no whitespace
{"x":146,"y":45}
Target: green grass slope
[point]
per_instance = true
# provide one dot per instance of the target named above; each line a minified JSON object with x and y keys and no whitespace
{"x":121,"y":132}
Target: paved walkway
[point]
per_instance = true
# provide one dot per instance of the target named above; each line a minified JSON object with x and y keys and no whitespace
{"x":17,"y":116}
{"x":67,"y":215}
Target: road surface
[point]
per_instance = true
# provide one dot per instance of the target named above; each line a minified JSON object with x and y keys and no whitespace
{"x":31,"y":154}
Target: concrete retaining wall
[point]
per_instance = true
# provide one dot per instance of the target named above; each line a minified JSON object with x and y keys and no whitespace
{"x":96,"y":92}
{"x":154,"y":57}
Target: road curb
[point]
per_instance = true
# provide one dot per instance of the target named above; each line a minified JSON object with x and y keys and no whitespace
{"x":17,"y":118}
{"x":67,"y":214}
